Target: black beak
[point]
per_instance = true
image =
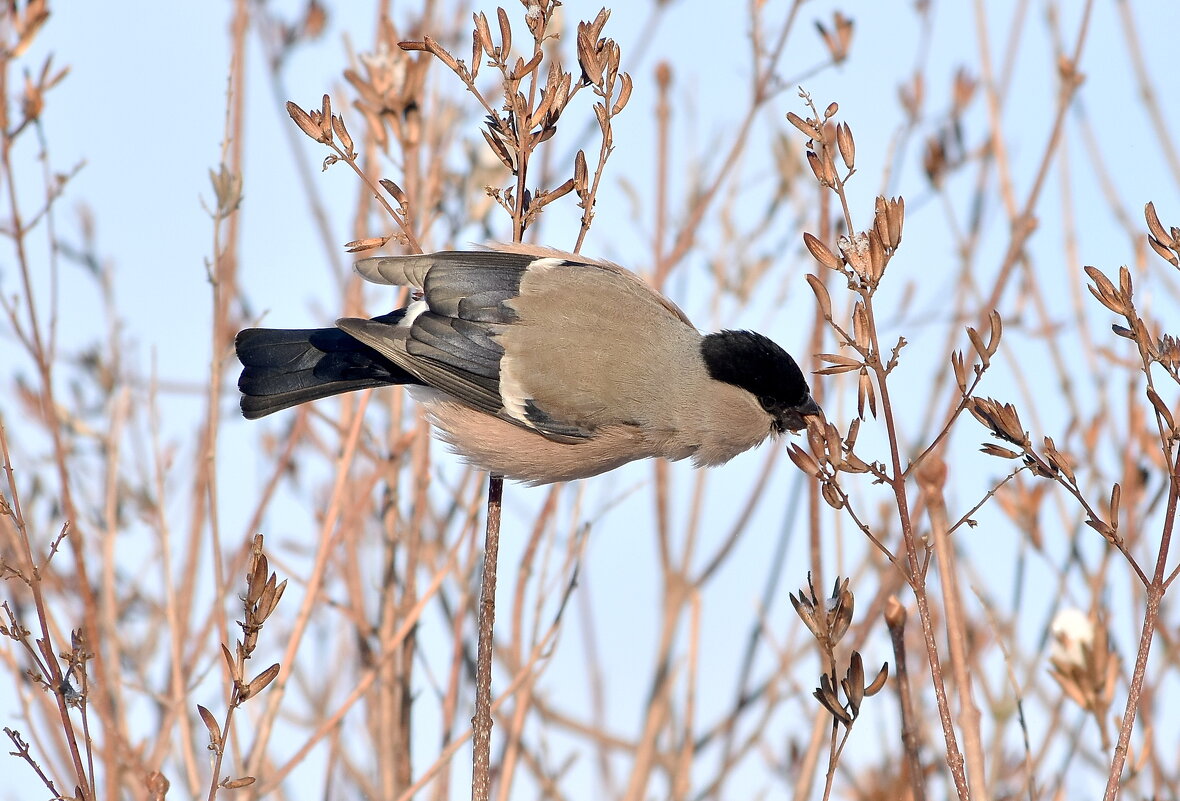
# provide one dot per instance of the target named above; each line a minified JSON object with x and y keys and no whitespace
{"x":795,"y":418}
{"x":809,"y":408}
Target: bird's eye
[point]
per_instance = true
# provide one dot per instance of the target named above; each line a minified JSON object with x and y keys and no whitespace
{"x":768,"y":403}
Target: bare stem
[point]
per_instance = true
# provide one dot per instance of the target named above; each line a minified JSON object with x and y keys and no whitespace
{"x":481,"y":738}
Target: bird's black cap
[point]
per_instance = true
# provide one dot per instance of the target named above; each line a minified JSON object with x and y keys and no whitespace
{"x":759,"y":366}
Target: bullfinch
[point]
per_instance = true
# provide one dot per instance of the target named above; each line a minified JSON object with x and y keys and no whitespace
{"x":540,"y":366}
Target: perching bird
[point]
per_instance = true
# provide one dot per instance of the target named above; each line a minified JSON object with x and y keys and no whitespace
{"x":540,"y":366}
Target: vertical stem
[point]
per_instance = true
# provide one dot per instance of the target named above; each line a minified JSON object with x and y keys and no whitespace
{"x":481,"y":735}
{"x":895,"y":619}
{"x":1155,"y":596}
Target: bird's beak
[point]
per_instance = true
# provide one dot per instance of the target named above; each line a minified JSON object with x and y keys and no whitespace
{"x":799,"y":417}
{"x":810,"y":408}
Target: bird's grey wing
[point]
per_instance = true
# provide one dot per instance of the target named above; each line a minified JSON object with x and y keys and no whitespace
{"x":467,"y":379}
{"x":453,"y":344}
{"x":563,"y":319}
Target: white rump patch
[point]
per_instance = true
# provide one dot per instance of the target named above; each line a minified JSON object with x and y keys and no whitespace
{"x":547,"y":263}
{"x":412,"y":311}
{"x":512,"y":392}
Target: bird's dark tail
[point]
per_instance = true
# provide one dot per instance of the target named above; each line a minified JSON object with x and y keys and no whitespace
{"x":285,"y":367}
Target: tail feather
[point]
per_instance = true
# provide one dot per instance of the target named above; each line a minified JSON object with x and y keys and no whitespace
{"x":285,"y":367}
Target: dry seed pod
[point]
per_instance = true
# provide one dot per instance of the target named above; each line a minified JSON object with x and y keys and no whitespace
{"x":995,"y":450}
{"x":878,"y":682}
{"x":877,"y":258}
{"x":1163,"y":252}
{"x":1102,"y":528}
{"x":580,"y":172}
{"x":500,"y":149}
{"x":855,"y":250}
{"x":259,"y":682}
{"x":981,"y":350}
{"x":505,"y":33}
{"x":880,"y":220}
{"x":801,"y":459}
{"x":806,"y":127}
{"x":1001,"y":419}
{"x":860,"y":326}
{"x":997,"y":331}
{"x":304,"y":121}
{"x":230,"y":663}
{"x":959,"y":364}
{"x":829,"y":700}
{"x":624,"y":95}
{"x":524,"y":68}
{"x":853,"y":433}
{"x":210,"y":724}
{"x":853,"y":683}
{"x":343,"y":135}
{"x":821,"y":295}
{"x":483,"y":37}
{"x":535,"y":18}
{"x":820,"y":252}
{"x":1162,"y":409}
{"x":1105,"y":292}
{"x":1155,"y":227}
{"x":846,"y":144}
{"x":833,"y":444}
{"x":817,"y":167}
{"x":865,"y":395}
{"x":394,"y":191}
{"x":896,"y":216}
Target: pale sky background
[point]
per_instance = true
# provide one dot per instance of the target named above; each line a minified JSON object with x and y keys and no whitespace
{"x":143,"y":109}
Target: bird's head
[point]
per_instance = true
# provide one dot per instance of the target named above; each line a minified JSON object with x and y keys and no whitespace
{"x":756,"y":364}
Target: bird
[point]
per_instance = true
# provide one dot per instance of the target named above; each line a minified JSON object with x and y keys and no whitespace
{"x":540,"y":366}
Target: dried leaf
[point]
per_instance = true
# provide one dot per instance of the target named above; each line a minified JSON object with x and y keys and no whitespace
{"x":361,"y":245}
{"x":836,"y":358}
